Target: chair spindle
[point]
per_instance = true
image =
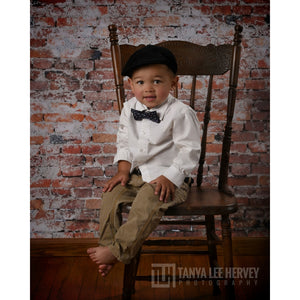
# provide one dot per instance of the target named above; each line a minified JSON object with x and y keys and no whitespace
{"x":233,"y":80}
{"x":204,"y":134}
{"x":116,"y":60}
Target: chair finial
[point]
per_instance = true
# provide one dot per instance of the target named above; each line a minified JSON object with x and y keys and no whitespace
{"x":113,"y":34}
{"x":237,"y":36}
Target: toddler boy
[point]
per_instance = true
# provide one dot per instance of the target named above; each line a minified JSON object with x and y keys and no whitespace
{"x":158,"y":146}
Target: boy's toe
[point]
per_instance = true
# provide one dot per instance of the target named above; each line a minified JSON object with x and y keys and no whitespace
{"x":91,"y":250}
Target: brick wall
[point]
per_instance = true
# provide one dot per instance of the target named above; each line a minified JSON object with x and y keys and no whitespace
{"x":74,"y":116}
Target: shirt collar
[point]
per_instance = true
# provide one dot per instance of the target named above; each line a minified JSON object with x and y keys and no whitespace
{"x":161,"y":109}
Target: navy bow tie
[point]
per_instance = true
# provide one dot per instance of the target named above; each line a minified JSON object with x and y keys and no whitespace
{"x":140,"y":115}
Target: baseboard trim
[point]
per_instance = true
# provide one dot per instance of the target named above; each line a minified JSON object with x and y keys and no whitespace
{"x":252,"y":246}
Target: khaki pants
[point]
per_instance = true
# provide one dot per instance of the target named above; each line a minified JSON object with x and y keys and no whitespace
{"x":124,"y":240}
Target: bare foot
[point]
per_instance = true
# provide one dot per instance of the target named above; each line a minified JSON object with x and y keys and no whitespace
{"x":102,"y":256}
{"x":105,"y":269}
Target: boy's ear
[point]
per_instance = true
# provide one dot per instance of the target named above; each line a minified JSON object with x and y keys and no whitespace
{"x":130,"y":82}
{"x":175,"y":82}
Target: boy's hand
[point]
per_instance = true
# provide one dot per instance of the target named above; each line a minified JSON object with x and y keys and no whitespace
{"x":164,"y":188}
{"x":121,"y":177}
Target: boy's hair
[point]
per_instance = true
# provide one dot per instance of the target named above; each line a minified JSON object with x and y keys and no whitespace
{"x":150,"y":55}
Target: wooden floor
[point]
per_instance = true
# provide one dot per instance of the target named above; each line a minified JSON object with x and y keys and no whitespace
{"x":76,"y":277}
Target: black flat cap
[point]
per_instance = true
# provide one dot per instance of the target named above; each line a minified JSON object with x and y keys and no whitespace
{"x":150,"y":55}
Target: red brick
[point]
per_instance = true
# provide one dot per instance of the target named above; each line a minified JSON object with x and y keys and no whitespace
{"x":109,"y":149}
{"x":40,"y":53}
{"x":83,"y":193}
{"x":243,"y":136}
{"x":45,"y":21}
{"x":93,"y":172}
{"x":91,"y":86}
{"x":36,"y":118}
{"x":162,"y":21}
{"x":240,"y":170}
{"x":243,"y":158}
{"x":263,"y":63}
{"x":93,"y":149}
{"x":39,"y":85}
{"x":84,"y":235}
{"x":261,"y":10}
{"x":254,"y":20}
{"x":261,"y":169}
{"x":257,"y":147}
{"x":255,"y":84}
{"x":255,"y":126}
{"x":264,"y":180}
{"x":41,"y":183}
{"x":36,"y":43}
{"x":238,"y":148}
{"x":61,"y":192}
{"x":53,"y":1}
{"x":242,"y":9}
{"x":72,"y":182}
{"x":205,"y":10}
{"x":104,"y":138}
{"x":92,"y":203}
{"x":36,"y":140}
{"x":36,"y":204}
{"x":41,"y":63}
{"x":107,"y":106}
{"x":71,"y":149}
{"x":72,"y":172}
{"x":104,"y":160}
{"x":61,"y":22}
{"x":221,"y":10}
{"x":57,"y":118}
{"x":243,"y":181}
{"x":111,"y":171}
{"x":218,"y":115}
{"x":100,"y":182}
{"x":63,"y":117}
{"x":75,"y":226}
{"x":214,"y":148}
{"x":260,"y":73}
{"x":72,"y":160}
{"x":84,"y":64}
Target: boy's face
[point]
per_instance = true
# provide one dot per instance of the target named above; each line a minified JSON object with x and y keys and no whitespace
{"x":151,"y":84}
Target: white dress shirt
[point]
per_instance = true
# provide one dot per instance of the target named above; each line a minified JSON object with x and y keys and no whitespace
{"x":170,"y":148}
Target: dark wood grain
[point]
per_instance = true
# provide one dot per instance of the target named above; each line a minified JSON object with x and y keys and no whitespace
{"x":76,"y":277}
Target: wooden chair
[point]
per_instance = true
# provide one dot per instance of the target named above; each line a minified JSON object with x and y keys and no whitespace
{"x":195,"y":60}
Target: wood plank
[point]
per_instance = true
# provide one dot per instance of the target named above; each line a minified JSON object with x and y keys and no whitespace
{"x":41,"y":280}
{"x":62,"y":274}
{"x":37,"y":269}
{"x":77,"y":247}
{"x":71,"y":286}
{"x":89,"y":280}
{"x":78,"y":278}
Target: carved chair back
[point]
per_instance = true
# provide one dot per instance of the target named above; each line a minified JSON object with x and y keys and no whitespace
{"x":194,"y":60}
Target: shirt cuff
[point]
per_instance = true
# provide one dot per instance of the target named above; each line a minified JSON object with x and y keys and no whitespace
{"x":122,"y":155}
{"x":174,"y":175}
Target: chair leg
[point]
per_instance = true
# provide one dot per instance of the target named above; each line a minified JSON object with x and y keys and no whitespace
{"x":130,"y":272}
{"x":228,"y":258}
{"x":212,"y":249}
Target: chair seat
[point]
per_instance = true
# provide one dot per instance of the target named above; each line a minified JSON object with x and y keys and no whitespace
{"x":201,"y":202}
{"x":204,"y":202}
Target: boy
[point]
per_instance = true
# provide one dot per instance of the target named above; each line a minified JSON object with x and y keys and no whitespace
{"x":158,"y":145}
